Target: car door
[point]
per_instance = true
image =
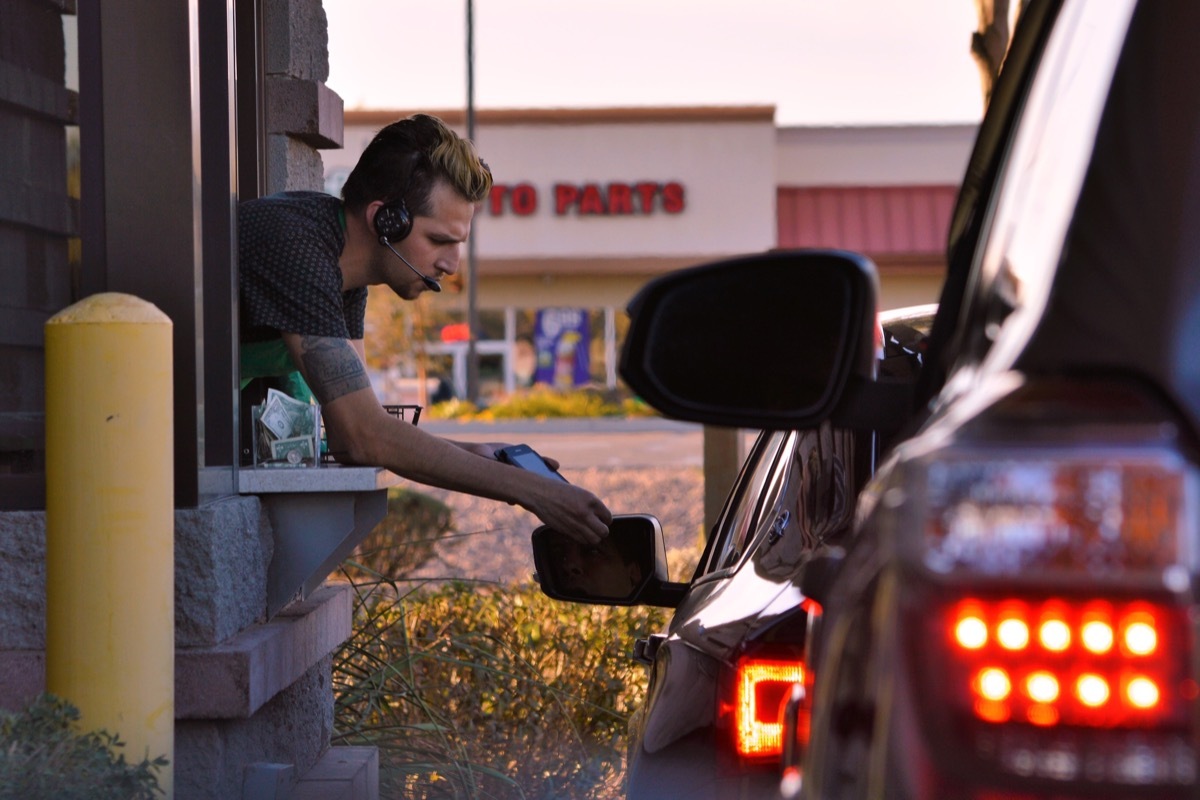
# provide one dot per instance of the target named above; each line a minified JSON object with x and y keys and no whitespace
{"x":742,"y":610}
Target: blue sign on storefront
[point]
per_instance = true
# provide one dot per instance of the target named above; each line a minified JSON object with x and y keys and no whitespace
{"x":561,"y":339}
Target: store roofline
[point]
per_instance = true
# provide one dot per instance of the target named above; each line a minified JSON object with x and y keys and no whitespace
{"x":916,"y":263}
{"x":573,"y":116}
{"x":641,"y":114}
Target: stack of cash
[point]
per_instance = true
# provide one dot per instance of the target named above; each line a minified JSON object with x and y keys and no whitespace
{"x":286,"y":430}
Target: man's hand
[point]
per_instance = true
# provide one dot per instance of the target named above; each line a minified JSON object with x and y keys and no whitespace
{"x":489,"y":450}
{"x":576,"y":512}
{"x":580,"y":514}
{"x":571,"y":510}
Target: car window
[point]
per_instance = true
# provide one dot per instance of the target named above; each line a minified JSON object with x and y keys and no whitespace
{"x":905,"y":339}
{"x":1041,"y":181}
{"x":815,"y":500}
{"x":754,"y":492}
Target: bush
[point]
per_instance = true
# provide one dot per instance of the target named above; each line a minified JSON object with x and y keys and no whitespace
{"x":43,"y":757}
{"x":479,"y":691}
{"x":484,"y":692}
{"x":543,"y":402}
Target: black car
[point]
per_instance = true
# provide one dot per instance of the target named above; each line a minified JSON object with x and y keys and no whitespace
{"x":984,"y":572}
{"x":710,"y":726}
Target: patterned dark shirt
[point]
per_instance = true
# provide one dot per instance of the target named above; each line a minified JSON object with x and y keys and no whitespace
{"x":288,"y":249}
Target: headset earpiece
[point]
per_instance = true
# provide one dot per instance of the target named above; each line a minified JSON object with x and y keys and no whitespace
{"x":392,"y":221}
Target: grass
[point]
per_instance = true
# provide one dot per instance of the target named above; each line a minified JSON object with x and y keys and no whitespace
{"x":479,"y":691}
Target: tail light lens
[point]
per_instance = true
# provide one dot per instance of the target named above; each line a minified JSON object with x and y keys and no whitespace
{"x":1074,"y":691}
{"x":1089,"y":663}
{"x":1106,"y":514}
{"x":1057,"y":640}
{"x":761,"y":689}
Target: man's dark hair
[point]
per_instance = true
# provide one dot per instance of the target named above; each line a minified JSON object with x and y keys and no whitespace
{"x":407,"y":158}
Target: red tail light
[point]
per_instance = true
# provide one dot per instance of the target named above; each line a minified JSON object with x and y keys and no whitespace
{"x":1071,"y":667}
{"x":761,"y":687}
{"x":1079,"y":692}
{"x":1053,"y":662}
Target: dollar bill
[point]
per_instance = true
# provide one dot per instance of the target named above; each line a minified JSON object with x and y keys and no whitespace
{"x":262,"y":442}
{"x":275,"y":417}
{"x":301,"y":416}
{"x":293,"y":450}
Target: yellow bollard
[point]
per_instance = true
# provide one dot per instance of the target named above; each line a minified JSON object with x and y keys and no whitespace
{"x":110,"y":521}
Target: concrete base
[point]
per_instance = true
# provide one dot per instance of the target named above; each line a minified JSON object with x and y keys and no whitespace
{"x":248,"y":692}
{"x":211,"y":756}
{"x":22,"y":678}
{"x":349,"y":773}
{"x":265,"y":696}
{"x":234,"y":679}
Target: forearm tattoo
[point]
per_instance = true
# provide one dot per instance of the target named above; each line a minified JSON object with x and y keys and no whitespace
{"x":332,"y":367}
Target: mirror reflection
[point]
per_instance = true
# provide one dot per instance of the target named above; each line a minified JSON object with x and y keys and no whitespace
{"x":613,"y":569}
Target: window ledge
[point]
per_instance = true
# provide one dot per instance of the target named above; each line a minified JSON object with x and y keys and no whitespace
{"x":303,"y":480}
{"x":318,"y":516}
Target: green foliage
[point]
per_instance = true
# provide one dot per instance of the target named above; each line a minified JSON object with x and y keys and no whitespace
{"x":477,"y":691}
{"x":43,"y":756}
{"x":453,"y":409}
{"x":637,"y":407}
{"x":543,"y":402}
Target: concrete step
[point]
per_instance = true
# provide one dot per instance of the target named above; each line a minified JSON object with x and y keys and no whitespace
{"x":234,"y":679}
{"x":343,"y":773}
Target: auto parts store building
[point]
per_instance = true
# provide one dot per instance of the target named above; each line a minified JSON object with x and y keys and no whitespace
{"x":589,"y":204}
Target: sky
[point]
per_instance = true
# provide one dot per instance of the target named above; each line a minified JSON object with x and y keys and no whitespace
{"x":819,"y":62}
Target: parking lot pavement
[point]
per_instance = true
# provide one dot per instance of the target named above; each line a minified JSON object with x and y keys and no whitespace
{"x":592,"y":442}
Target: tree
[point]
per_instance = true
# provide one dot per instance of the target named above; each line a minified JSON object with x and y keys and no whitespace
{"x":989,"y":43}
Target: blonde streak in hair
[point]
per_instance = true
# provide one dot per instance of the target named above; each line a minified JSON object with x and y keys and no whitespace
{"x":458,"y":159}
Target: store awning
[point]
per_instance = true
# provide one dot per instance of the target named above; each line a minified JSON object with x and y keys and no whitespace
{"x":887,"y":223}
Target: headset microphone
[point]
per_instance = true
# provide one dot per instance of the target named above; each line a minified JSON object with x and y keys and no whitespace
{"x":393,"y":223}
{"x":428,"y":281}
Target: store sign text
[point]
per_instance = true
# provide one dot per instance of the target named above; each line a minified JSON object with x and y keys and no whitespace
{"x":590,"y":199}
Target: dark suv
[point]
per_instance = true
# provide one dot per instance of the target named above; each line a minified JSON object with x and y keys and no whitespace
{"x":979,"y":579}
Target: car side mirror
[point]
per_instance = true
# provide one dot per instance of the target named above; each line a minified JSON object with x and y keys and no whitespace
{"x":628,"y":567}
{"x":774,"y":340}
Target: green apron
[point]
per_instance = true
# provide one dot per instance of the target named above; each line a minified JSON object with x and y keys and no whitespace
{"x":271,"y":359}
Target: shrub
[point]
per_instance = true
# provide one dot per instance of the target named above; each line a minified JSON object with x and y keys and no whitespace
{"x":542,"y":402}
{"x":43,"y":756}
{"x":482,"y":692}
{"x":454,"y":409}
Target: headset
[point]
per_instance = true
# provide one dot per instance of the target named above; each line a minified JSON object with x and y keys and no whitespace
{"x":393,"y":223}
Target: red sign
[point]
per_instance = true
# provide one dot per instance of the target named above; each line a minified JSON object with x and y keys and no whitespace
{"x":456,"y":332}
{"x":590,"y":199}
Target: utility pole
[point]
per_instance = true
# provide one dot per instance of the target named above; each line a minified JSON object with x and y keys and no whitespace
{"x":472,"y":265}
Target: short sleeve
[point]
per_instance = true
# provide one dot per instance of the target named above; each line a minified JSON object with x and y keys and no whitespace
{"x":288,"y":251}
{"x":354,"y":308}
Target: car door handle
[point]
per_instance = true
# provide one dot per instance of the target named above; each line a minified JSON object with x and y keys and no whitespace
{"x":644,"y":650}
{"x":778,"y":526}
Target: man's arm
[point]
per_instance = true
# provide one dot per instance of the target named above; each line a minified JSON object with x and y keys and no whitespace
{"x":361,"y":432}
